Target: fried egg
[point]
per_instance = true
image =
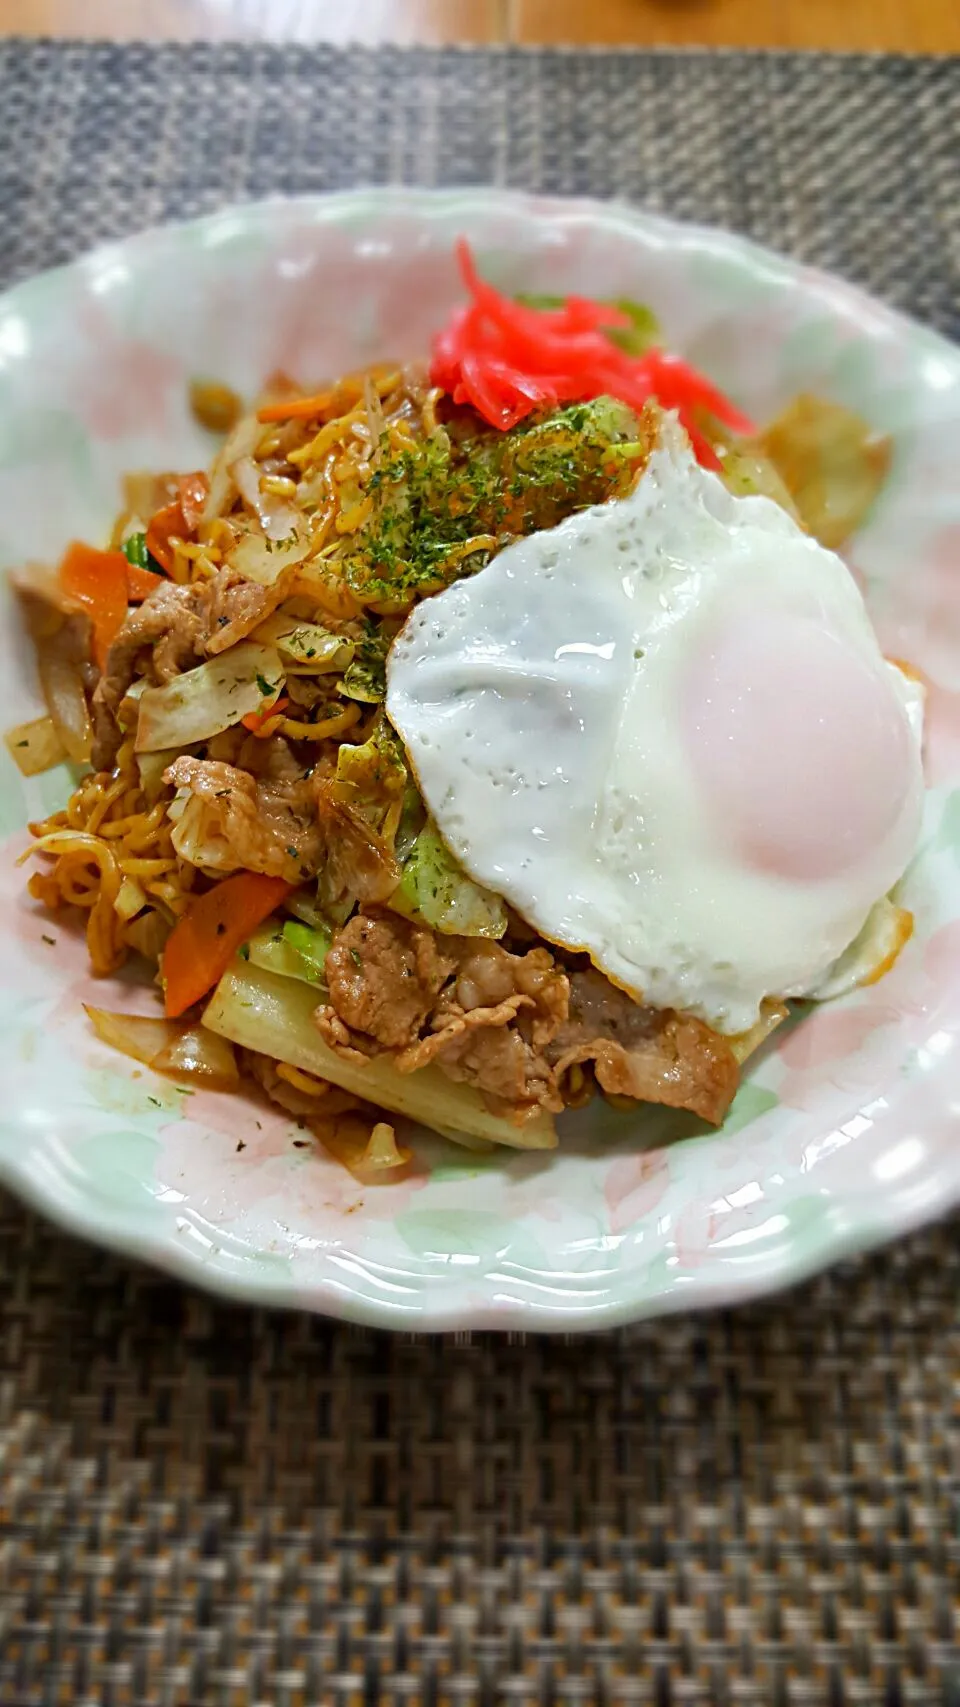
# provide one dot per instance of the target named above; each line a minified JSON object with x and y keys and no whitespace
{"x":664,"y":732}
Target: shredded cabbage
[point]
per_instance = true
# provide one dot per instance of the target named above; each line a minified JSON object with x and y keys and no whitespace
{"x":185,"y":1052}
{"x":312,"y":649}
{"x":747,"y":474}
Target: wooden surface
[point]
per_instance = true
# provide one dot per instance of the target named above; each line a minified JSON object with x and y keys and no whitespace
{"x":919,"y":26}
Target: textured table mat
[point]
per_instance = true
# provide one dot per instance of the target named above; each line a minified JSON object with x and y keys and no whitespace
{"x":204,"y":1504}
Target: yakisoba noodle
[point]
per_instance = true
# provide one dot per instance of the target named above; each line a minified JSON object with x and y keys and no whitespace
{"x":111,"y":853}
{"x":244,"y":853}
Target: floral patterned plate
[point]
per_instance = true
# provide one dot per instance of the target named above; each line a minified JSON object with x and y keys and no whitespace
{"x":844,"y":1133}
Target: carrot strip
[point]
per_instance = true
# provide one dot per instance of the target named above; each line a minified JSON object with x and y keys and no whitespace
{"x":165,"y":525}
{"x":207,"y":935}
{"x":141,"y":583}
{"x":255,"y":720}
{"x":296,"y":408}
{"x":97,"y":581}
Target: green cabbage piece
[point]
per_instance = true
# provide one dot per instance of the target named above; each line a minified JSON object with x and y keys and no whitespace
{"x":311,"y":946}
{"x":436,"y":891}
{"x":271,"y":950}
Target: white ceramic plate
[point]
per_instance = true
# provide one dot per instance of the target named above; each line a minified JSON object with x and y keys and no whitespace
{"x":844,"y":1134}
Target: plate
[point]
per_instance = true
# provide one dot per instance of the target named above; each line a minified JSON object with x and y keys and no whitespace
{"x":842,"y":1135}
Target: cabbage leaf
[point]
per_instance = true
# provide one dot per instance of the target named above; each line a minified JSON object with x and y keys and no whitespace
{"x":435,"y":890}
{"x":213,"y":697}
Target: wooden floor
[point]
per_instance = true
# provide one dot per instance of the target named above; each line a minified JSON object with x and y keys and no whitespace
{"x":914,"y":26}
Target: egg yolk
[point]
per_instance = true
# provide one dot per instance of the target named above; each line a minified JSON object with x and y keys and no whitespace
{"x":798,"y":744}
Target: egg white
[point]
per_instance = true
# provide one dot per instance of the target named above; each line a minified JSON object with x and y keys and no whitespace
{"x":538,"y":704}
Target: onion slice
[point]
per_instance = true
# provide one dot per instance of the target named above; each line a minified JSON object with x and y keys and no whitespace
{"x":183,"y":1052}
{"x":35,"y":746}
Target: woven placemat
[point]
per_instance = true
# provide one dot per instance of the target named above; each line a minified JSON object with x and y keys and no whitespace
{"x":204,"y":1504}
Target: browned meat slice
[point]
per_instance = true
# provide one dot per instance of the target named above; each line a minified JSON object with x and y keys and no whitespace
{"x":478,"y":1011}
{"x":512,"y":1025}
{"x":384,"y":975}
{"x":491,"y":1024}
{"x":232,"y":822}
{"x":271,"y":760}
{"x":169,"y":621}
{"x":649,"y":1054}
{"x":516,"y":1079}
{"x":233,"y":608}
{"x":182,"y":624}
{"x":488,"y":974}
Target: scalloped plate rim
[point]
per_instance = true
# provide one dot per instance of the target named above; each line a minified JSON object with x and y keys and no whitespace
{"x":774,"y":1271}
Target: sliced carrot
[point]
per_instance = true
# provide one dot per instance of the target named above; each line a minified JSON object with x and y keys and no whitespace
{"x":296,"y":408}
{"x":165,"y":525}
{"x":97,"y":582}
{"x":141,"y":583}
{"x":206,"y":937}
{"x":255,"y":720}
{"x":179,"y":519}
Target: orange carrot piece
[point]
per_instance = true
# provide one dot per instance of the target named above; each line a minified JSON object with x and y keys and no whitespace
{"x":141,"y":582}
{"x":164,"y":525}
{"x":255,"y":720}
{"x":178,"y":519}
{"x":296,"y":408}
{"x":206,"y":937}
{"x":97,"y":582}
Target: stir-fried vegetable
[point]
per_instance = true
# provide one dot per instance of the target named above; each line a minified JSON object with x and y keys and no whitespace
{"x":35,"y":746}
{"x":96,"y":581}
{"x":311,"y":944}
{"x":258,"y":558}
{"x":142,"y":575}
{"x":206,"y":937}
{"x":748,"y":474}
{"x":196,"y":1053}
{"x":832,"y":463}
{"x":290,"y":949}
{"x":260,"y":722}
{"x":214,"y":696}
{"x":184,"y":1052}
{"x":257,"y":1010}
{"x":308,"y":648}
{"x":141,"y":583}
{"x":61,"y":642}
{"x":437,"y":891}
{"x":371,"y":778}
{"x":135,"y":551}
{"x":177,"y":520}
{"x":365,"y":677}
